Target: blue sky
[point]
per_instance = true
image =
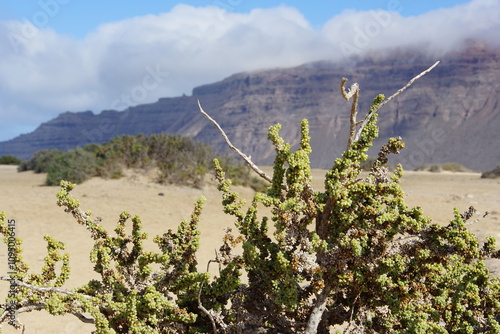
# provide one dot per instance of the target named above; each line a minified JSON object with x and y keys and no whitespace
{"x":75,"y":55}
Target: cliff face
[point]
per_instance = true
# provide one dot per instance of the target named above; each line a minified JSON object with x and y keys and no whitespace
{"x":450,"y":115}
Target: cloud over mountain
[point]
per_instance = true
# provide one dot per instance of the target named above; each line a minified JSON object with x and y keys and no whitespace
{"x":141,"y":59}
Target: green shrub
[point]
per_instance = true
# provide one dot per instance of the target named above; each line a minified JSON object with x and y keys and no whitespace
{"x":241,"y":174}
{"x":179,"y":160}
{"x":40,"y":161}
{"x":492,"y":174}
{"x":73,"y":166}
{"x":9,"y":160}
{"x":182,"y":160}
{"x":445,"y":167}
{"x":354,"y":253}
{"x":454,"y":167}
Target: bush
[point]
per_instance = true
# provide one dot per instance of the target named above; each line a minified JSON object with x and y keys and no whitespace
{"x":454,"y":167}
{"x":182,"y":160}
{"x":352,"y":254}
{"x":40,"y":161}
{"x":492,"y":174}
{"x":240,"y":174}
{"x":75,"y":166}
{"x":445,"y":167}
{"x":179,"y":160}
{"x":9,"y":160}
{"x":367,"y":164}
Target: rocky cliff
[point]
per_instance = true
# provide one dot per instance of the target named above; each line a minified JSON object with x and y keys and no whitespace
{"x":450,"y":115}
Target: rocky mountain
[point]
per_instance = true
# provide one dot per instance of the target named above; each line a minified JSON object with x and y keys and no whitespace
{"x":450,"y":115}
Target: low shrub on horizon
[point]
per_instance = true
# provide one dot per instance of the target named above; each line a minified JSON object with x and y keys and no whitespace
{"x":492,"y":174}
{"x":179,"y":160}
{"x":444,"y":167}
{"x":9,"y":160}
{"x":40,"y":161}
{"x":76,"y":165}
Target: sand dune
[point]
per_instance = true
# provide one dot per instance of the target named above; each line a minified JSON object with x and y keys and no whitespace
{"x":34,"y":208}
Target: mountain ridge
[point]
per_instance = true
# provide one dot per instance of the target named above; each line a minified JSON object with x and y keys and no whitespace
{"x":450,"y":115}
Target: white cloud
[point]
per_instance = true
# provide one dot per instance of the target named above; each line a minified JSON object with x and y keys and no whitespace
{"x":438,"y":31}
{"x":142,"y":59}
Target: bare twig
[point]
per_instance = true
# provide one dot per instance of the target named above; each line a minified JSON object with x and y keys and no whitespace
{"x":354,"y":93}
{"x":408,"y":84}
{"x":368,"y":116}
{"x":200,"y":305}
{"x":234,"y":148}
{"x":3,"y":316}
{"x":204,"y":310}
{"x":41,"y":306}
{"x":352,"y":314}
{"x":17,"y":323}
{"x":29,"y":308}
{"x":41,"y":289}
{"x":83,"y":318}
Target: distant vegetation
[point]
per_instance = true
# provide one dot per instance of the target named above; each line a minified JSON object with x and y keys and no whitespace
{"x":446,"y":167}
{"x":492,"y":174}
{"x":9,"y":160}
{"x":179,"y":160}
{"x":367,"y":165}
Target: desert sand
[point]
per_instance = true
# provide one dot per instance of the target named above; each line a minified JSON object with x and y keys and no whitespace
{"x":24,"y":198}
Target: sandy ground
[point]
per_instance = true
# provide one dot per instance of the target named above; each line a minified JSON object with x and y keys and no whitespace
{"x":34,"y":208}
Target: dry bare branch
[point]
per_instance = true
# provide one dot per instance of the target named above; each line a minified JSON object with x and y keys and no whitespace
{"x":354,"y":93}
{"x":368,"y":116}
{"x":41,"y":289}
{"x":29,"y":308}
{"x":3,"y":316}
{"x":408,"y":85}
{"x":204,"y":310}
{"x":351,"y":317}
{"x":17,"y":323}
{"x":41,"y":306}
{"x":83,"y":318}
{"x":235,"y":149}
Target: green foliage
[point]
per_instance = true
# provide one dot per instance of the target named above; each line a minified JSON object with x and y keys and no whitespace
{"x":40,"y":161}
{"x":130,"y":296}
{"x":492,"y":174}
{"x":179,"y":160}
{"x":367,"y":164}
{"x":74,"y":165}
{"x":240,"y":174}
{"x":9,"y":160}
{"x":354,"y":253}
{"x":359,"y":249}
{"x":446,"y":167}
